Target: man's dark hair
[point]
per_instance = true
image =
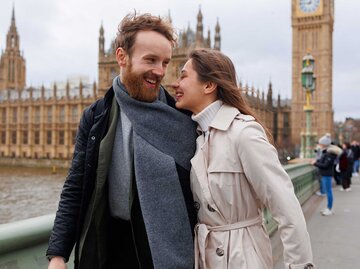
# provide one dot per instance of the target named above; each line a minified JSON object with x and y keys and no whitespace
{"x":133,"y":23}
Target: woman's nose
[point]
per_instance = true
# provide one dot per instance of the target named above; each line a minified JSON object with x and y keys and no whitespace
{"x":175,"y":84}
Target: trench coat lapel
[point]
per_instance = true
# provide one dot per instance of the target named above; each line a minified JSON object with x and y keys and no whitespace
{"x":199,"y":165}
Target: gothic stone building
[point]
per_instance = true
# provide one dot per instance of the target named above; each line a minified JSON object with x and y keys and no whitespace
{"x":42,"y":122}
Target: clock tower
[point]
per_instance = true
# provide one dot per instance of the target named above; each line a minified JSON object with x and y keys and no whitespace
{"x":312,"y":31}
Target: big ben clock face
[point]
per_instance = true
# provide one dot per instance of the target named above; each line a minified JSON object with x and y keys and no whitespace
{"x":309,"y":6}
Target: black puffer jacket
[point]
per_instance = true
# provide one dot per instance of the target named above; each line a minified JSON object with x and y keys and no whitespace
{"x":79,"y":185}
{"x":327,"y":159}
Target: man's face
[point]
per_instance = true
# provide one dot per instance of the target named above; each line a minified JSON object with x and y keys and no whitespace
{"x":143,"y":71}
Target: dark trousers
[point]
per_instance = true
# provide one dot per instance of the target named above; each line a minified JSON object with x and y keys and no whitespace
{"x":345,"y":179}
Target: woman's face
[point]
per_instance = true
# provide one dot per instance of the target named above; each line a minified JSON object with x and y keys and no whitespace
{"x":189,"y":90}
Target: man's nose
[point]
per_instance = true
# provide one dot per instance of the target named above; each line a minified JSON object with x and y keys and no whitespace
{"x":159,"y":70}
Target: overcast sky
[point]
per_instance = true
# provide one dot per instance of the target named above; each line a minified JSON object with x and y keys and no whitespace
{"x":60,"y":39}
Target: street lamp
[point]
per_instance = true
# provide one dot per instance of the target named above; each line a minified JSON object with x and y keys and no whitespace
{"x":308,"y":81}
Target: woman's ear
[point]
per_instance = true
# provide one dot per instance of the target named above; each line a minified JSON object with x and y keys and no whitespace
{"x":121,"y":57}
{"x":210,"y":87}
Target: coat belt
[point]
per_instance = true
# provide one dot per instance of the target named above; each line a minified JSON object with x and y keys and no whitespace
{"x":202,"y":232}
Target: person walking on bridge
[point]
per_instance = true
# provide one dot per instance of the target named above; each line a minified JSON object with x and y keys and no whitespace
{"x":326,"y":169}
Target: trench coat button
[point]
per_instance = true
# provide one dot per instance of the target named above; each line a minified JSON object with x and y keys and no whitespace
{"x":197,"y":206}
{"x":210,"y":208}
{"x":93,"y":137}
{"x":220,"y":252}
{"x":308,"y":266}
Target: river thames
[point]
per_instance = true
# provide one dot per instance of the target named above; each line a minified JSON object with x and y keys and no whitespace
{"x":28,"y":192}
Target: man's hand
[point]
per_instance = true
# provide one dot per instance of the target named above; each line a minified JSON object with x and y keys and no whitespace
{"x":57,"y":262}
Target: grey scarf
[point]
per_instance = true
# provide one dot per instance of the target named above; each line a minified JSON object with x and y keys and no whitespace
{"x":162,"y":137}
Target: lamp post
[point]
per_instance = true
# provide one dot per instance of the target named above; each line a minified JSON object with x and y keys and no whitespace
{"x":308,"y":83}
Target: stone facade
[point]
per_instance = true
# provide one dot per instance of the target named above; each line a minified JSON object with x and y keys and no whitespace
{"x":347,"y":131}
{"x":312,"y":30}
{"x":42,"y":123}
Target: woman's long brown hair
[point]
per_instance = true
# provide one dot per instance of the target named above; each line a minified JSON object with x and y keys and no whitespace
{"x":214,"y":66}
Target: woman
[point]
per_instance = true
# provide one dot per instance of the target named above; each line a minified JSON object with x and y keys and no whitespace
{"x":235,"y":174}
{"x":346,"y":166}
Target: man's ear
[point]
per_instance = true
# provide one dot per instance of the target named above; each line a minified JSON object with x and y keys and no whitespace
{"x":210,"y":87}
{"x":121,"y":57}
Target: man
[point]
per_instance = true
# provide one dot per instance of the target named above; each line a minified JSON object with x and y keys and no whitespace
{"x":127,"y":201}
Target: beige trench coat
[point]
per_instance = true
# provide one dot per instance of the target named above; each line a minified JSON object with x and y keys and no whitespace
{"x":235,"y":173}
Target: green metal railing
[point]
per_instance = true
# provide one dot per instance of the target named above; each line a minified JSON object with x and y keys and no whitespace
{"x":23,"y":243}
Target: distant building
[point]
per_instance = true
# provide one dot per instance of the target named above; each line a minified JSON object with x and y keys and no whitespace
{"x":37,"y":122}
{"x":347,"y":131}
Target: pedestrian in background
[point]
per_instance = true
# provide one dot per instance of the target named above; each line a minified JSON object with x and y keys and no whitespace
{"x":326,"y":169}
{"x":337,"y":172}
{"x":346,"y":166}
{"x":355,"y":147}
{"x":318,"y":153}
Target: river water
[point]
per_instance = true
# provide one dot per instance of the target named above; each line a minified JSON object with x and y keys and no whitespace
{"x":28,"y":192}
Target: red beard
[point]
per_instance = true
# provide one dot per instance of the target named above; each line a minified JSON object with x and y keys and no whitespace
{"x":136,"y":87}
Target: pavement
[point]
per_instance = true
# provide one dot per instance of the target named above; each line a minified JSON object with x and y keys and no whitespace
{"x":335,"y":239}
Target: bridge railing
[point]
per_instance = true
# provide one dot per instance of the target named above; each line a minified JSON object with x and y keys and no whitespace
{"x":23,"y":243}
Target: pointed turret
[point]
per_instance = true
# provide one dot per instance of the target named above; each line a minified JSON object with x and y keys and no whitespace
{"x":12,"y":62}
{"x":13,"y":16}
{"x":184,"y":39}
{"x":199,"y":29}
{"x":42,"y":91}
{"x":101,"y":41}
{"x":94,"y":89}
{"x":55,"y":91}
{"x":81,"y":87}
{"x":12,"y":38}
{"x":208,"y":40}
{"x":269,"y":96}
{"x":67,"y":89}
{"x":217,"y":44}
{"x":169,"y":17}
{"x":279,"y":101}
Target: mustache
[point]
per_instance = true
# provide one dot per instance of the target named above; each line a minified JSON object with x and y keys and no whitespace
{"x":152,"y":76}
